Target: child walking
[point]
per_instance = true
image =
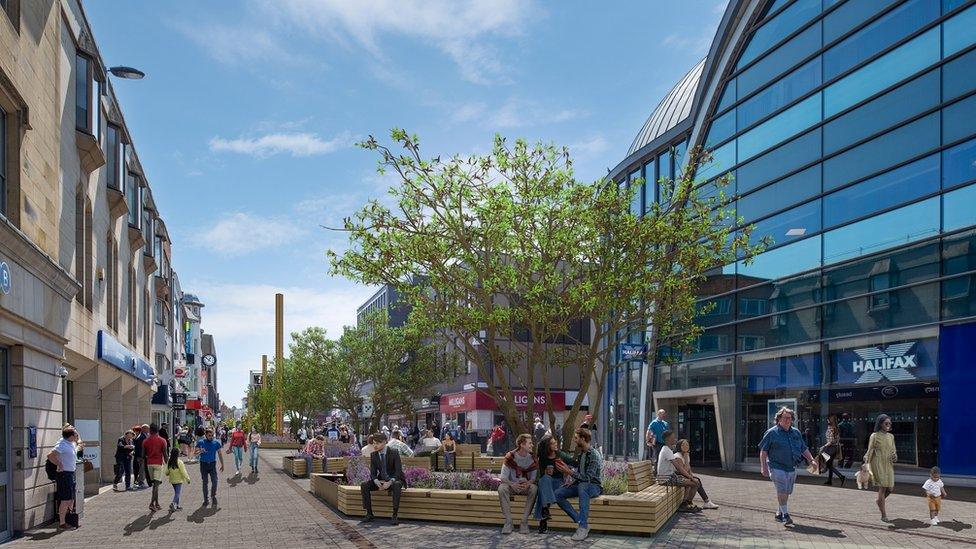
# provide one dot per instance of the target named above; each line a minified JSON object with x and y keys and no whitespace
{"x":176,"y":471}
{"x":934,"y":492}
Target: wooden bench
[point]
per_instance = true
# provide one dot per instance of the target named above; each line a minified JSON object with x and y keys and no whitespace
{"x":473,"y":463}
{"x":641,"y":482}
{"x":297,"y":467}
{"x":643,"y":513}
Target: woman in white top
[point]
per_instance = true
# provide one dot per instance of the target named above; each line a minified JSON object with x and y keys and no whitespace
{"x":684,"y":451}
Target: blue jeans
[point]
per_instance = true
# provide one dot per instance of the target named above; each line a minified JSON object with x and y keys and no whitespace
{"x":208,"y":471}
{"x":584,"y":491}
{"x":238,"y":452}
{"x":448,"y":460}
{"x":547,"y":493}
{"x":177,"y":490}
{"x":254,"y":456}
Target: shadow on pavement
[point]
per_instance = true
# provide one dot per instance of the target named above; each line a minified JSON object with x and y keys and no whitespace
{"x":165,"y":519}
{"x":201,"y":514}
{"x":251,"y":479}
{"x":234,"y":480}
{"x":817,"y":531}
{"x":907,"y":524}
{"x":955,"y":525}
{"x":138,"y":525}
{"x":43,"y":536}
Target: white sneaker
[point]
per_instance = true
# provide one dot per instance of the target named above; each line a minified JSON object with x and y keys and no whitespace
{"x":934,"y":521}
{"x":172,"y":507}
{"x":115,"y":487}
{"x":709,"y":505}
{"x":580,"y":534}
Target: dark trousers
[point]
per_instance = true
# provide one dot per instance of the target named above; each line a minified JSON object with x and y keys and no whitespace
{"x":701,"y":490}
{"x":123,"y":468}
{"x":208,"y":472}
{"x":847,"y":449}
{"x":369,"y":486}
{"x":139,"y":469}
{"x":832,"y":469}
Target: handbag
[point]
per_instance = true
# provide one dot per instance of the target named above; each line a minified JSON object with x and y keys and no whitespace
{"x":87,"y":466}
{"x":71,"y":518}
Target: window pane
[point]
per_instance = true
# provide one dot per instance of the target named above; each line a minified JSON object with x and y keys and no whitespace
{"x":885,"y":111}
{"x":728,"y":96}
{"x":3,"y":163}
{"x":787,"y":123}
{"x":877,"y":154}
{"x":791,"y":190}
{"x":780,"y":93}
{"x":635,"y":199}
{"x":780,"y":262}
{"x":779,"y":60}
{"x":650,"y":184}
{"x":959,"y":164}
{"x":949,"y":5}
{"x":82,"y":90}
{"x":959,"y":208}
{"x":898,"y":186}
{"x":959,"y":256}
{"x":714,"y":311}
{"x":849,"y":15}
{"x":960,"y":31}
{"x":902,"y":267}
{"x":887,"y":230}
{"x":783,"y":295}
{"x":900,"y":63}
{"x":112,"y":156}
{"x":779,"y":329}
{"x":778,"y":27}
{"x":959,"y":120}
{"x":790,"y":225}
{"x":717,"y":281}
{"x":957,"y":76}
{"x":773,"y":164}
{"x":883,"y":32}
{"x":904,"y":307}
{"x":715,"y":341}
{"x":722,"y":128}
{"x":723,"y":158}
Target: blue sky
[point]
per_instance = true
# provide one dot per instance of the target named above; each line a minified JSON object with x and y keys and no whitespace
{"x":247,"y":120}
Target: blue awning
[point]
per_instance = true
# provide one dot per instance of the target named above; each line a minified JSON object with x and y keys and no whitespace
{"x":111,"y":351}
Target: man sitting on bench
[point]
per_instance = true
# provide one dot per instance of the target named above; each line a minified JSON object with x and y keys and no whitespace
{"x":586,"y":483}
{"x":385,"y":473}
{"x":671,"y":469}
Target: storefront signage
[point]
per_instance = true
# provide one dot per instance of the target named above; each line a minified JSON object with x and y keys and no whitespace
{"x":481,"y":400}
{"x":632,"y":351}
{"x":886,"y":364}
{"x":111,"y":351}
{"x":883,"y":392}
{"x":5,"y":282}
{"x":179,"y":399}
{"x":180,"y":372}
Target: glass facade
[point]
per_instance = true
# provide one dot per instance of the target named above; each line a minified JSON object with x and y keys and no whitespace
{"x":849,"y":130}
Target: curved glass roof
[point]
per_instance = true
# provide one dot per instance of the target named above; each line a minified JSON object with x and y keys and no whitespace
{"x":675,"y":107}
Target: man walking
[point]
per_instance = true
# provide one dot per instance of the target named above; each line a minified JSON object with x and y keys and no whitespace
{"x":655,"y":435}
{"x":139,"y":457}
{"x":586,"y":483}
{"x":518,"y":475}
{"x":155,"y":450}
{"x":385,"y":473}
{"x":780,"y":451}
{"x":208,"y":448}
{"x":123,"y":460}
{"x":64,"y":455}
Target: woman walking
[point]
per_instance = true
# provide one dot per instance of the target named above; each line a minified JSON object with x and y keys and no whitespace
{"x":881,"y":456}
{"x":254,"y":439}
{"x":176,"y":471}
{"x":554,"y":466}
{"x":832,"y":449}
{"x":684,"y":452}
{"x":237,"y":446}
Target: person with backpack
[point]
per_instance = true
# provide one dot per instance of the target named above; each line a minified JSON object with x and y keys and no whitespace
{"x":64,"y":457}
{"x":123,"y":460}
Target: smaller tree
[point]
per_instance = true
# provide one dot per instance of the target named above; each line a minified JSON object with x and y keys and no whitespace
{"x":261,"y":401}
{"x":306,"y":388}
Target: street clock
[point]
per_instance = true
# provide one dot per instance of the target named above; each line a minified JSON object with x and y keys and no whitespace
{"x":209,"y":360}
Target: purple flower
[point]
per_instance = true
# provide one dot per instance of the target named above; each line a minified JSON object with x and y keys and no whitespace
{"x":416,"y":476}
{"x":357,"y":472}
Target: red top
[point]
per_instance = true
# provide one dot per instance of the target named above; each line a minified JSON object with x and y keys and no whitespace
{"x":155,"y":449}
{"x":237,"y":438}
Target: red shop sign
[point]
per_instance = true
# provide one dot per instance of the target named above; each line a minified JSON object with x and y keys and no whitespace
{"x":539,"y":398}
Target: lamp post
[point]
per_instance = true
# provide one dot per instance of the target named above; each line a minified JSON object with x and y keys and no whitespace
{"x":128,"y":73}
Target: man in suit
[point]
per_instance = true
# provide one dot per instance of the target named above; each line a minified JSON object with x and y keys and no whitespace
{"x":385,"y":473}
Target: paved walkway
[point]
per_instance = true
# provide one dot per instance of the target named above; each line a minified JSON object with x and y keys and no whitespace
{"x":275,"y":510}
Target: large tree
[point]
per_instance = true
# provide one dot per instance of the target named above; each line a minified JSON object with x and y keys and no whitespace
{"x":511,"y":249}
{"x":305,"y":391}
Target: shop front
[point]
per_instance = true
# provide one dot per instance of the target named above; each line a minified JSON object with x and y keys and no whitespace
{"x":479,"y":412}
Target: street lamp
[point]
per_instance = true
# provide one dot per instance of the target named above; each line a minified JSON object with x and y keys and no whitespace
{"x":128,"y":73}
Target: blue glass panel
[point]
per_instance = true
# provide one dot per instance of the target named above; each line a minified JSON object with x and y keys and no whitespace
{"x":778,"y":27}
{"x":885,"y":111}
{"x":889,"y":149}
{"x":898,"y":186}
{"x":849,"y":15}
{"x":959,"y":164}
{"x":784,"y":261}
{"x":959,"y":31}
{"x":780,"y":93}
{"x":883,"y":32}
{"x":780,"y":60}
{"x":959,"y":119}
{"x":723,"y":158}
{"x":722,"y":128}
{"x":790,"y":225}
{"x":728,"y":96}
{"x":949,"y":5}
{"x":779,"y":128}
{"x":635,"y":199}
{"x":887,"y":230}
{"x":680,"y":160}
{"x":898,"y":64}
{"x":650,"y":185}
{"x":959,"y":208}
{"x":664,"y":169}
{"x":957,"y":76}
{"x":782,"y":160}
{"x":791,"y":190}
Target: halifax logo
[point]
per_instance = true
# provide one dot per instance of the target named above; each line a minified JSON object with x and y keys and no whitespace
{"x":891,"y":363}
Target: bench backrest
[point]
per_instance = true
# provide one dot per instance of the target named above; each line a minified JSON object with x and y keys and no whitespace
{"x":468,"y":449}
{"x":640,"y":475}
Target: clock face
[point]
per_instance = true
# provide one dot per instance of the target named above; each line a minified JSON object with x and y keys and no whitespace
{"x":209,"y":360}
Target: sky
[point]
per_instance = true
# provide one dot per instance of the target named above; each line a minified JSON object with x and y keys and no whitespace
{"x":247,"y":122}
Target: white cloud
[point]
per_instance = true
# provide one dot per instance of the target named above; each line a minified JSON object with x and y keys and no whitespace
{"x":513,"y":113}
{"x":241,"y":318}
{"x":241,"y":45}
{"x":592,"y":146}
{"x":241,"y":233}
{"x":461,"y":30}
{"x":296,"y":144}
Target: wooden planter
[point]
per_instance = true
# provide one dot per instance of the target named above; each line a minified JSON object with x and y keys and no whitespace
{"x":296,"y":466}
{"x":326,"y":489}
{"x":421,"y":462}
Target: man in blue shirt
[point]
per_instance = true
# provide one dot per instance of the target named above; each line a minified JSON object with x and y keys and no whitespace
{"x":655,"y":435}
{"x":208,"y":448}
{"x":780,"y":451}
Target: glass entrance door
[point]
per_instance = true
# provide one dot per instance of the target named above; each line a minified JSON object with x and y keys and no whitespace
{"x":696,"y":422}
